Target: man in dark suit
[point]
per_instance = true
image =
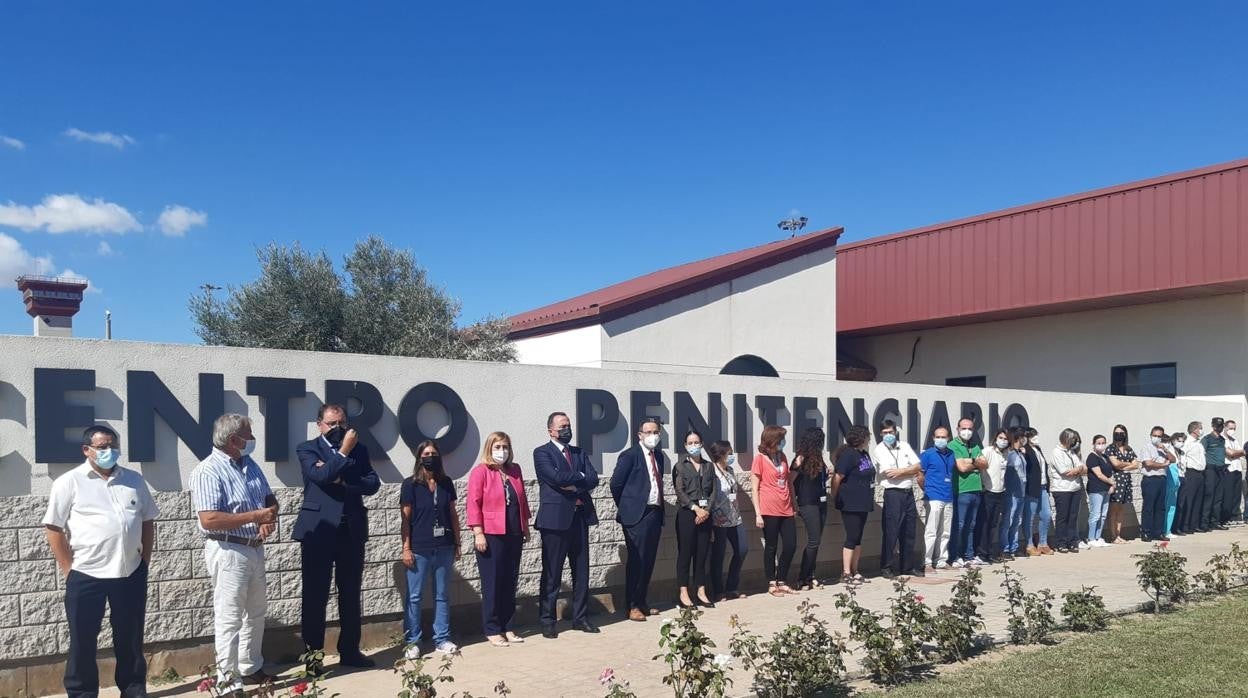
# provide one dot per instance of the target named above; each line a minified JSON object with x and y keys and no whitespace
{"x":332,"y":527}
{"x":566,"y":480}
{"x":637,"y":488}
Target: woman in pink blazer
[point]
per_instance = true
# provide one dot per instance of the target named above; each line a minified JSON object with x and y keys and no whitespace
{"x":498,"y":514}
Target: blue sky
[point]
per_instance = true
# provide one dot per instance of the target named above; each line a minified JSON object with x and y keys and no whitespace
{"x":532,"y":151}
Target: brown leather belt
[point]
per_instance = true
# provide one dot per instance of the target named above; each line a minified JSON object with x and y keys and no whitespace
{"x":239,"y":540}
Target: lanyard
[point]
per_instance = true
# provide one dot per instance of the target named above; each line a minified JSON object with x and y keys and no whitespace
{"x":506,"y":490}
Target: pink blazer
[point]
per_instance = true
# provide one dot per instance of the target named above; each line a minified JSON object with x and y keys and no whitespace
{"x":486,"y":503}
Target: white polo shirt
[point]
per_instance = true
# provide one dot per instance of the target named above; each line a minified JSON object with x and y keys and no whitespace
{"x":900,"y":457}
{"x":1234,"y":465}
{"x":103,"y":519}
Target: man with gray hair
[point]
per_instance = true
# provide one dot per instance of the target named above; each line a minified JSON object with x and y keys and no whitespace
{"x":237,"y":513}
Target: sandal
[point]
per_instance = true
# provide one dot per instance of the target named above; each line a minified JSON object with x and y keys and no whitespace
{"x":498,"y":641}
{"x":785,"y":588}
{"x":774,"y":589}
{"x":859,"y":579}
{"x":816,"y":584}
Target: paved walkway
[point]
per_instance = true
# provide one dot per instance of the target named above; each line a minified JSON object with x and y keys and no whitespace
{"x":570,"y":665}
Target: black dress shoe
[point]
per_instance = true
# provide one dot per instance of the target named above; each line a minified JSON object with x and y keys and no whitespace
{"x":682,"y":604}
{"x":1220,"y":527}
{"x":585,"y":627}
{"x":548,"y":631}
{"x":357,"y":660}
{"x":704,"y":604}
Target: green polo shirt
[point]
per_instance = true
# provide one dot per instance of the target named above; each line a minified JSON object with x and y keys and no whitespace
{"x":967,"y":482}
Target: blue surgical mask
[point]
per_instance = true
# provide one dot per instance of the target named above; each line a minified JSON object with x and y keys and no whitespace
{"x":781,"y":446}
{"x":106,"y":458}
{"x":941,"y":443}
{"x":732,"y":459}
{"x":694,"y":450}
{"x":890,"y":440}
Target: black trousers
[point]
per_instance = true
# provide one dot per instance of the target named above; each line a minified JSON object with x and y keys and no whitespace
{"x":641,"y":541}
{"x":782,"y":530}
{"x":1153,"y":511}
{"x":1066,"y":519}
{"x":126,"y":597}
{"x":1211,"y":510}
{"x":570,"y":545}
{"x":1180,"y":507}
{"x":1194,"y":502}
{"x":720,"y":540}
{"x":899,"y":521}
{"x":988,"y":527}
{"x":1233,"y":495}
{"x":499,"y":566}
{"x":342,"y":557}
{"x":814,"y":517}
{"x":693,"y":544}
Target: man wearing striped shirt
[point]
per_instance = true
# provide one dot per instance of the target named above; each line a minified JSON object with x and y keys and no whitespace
{"x":237,"y":513}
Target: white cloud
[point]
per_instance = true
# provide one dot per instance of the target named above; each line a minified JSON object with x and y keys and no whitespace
{"x":15,"y":261}
{"x":71,"y":274}
{"x":116,"y":140}
{"x":104,"y":249}
{"x":12,"y":143}
{"x":177,"y":219}
{"x":69,"y":213}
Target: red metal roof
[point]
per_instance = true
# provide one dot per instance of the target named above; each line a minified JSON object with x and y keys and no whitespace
{"x":1179,"y":236}
{"x":661,"y":286}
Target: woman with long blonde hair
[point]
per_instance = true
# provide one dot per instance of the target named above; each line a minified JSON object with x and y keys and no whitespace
{"x":498,"y":514}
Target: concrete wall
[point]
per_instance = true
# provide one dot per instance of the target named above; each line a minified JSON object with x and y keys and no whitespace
{"x":1073,"y":352}
{"x":701,"y":332}
{"x":581,"y":347}
{"x":513,"y":398}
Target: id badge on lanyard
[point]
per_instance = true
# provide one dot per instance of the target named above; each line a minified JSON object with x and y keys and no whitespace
{"x":782,"y":482}
{"x":438,"y":529}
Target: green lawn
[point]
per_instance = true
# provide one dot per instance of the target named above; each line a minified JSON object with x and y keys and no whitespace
{"x":1198,"y":651}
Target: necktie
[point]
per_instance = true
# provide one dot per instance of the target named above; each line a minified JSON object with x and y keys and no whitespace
{"x":654,"y":470}
{"x":567,"y":455}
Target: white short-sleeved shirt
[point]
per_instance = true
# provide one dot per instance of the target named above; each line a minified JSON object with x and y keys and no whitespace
{"x":900,"y":457}
{"x":1234,"y":465}
{"x":103,"y":519}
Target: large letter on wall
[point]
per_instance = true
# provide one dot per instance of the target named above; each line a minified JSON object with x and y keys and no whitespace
{"x":839,"y":421}
{"x":457,"y":414}
{"x":53,"y":416}
{"x":1016,"y":416}
{"x":972,"y":411}
{"x":802,"y":407}
{"x":147,"y":396}
{"x":371,"y":409}
{"x":275,"y":395}
{"x":687,"y":416}
{"x":939,"y":418}
{"x":886,"y":407}
{"x":587,"y":425}
{"x":741,"y":424}
{"x":914,"y":426}
{"x":639,"y":404}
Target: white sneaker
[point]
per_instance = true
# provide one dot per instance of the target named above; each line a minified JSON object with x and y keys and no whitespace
{"x":1083,"y":545}
{"x":942,"y":565}
{"x":1102,"y":543}
{"x":959,"y":564}
{"x":979,"y":561}
{"x":447,"y":647}
{"x":412,"y":652}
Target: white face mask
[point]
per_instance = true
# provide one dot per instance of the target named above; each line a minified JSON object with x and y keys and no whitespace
{"x":732,"y":459}
{"x":694,"y":449}
{"x":966,"y":434}
{"x":500,"y":455}
{"x":1002,"y":443}
{"x":651,"y":441}
{"x":249,"y":446}
{"x":1099,"y":448}
{"x":1156,"y":440}
{"x":1230,"y":432}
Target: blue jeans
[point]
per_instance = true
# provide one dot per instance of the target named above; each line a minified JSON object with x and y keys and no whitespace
{"x":1098,"y":504}
{"x":968,"y":511}
{"x":1033,"y":506}
{"x":1011,"y":521}
{"x":439,"y":563}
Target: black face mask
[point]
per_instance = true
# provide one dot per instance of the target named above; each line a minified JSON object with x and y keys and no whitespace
{"x":335,"y":435}
{"x":1119,"y":437}
{"x":432,"y":463}
{"x":565,"y":435}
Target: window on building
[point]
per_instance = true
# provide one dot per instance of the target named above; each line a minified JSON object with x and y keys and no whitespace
{"x":1144,"y":380}
{"x":749,"y":365}
{"x":968,"y":382}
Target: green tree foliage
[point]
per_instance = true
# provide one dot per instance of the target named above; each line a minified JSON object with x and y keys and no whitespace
{"x":382,"y":304}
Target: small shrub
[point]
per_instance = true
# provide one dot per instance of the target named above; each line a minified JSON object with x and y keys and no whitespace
{"x":1014,"y":596}
{"x":1084,"y":610}
{"x":957,"y":623}
{"x":692,"y":668}
{"x":799,"y":660}
{"x":912,"y":622}
{"x":616,"y":688}
{"x":419,"y":683}
{"x":1239,"y":560}
{"x":1038,"y":610}
{"x":1161,"y":575}
{"x":885,"y":658}
{"x":1216,"y":577}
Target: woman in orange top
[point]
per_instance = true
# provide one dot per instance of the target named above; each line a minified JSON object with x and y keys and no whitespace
{"x":498,"y":513}
{"x":772,"y":490}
